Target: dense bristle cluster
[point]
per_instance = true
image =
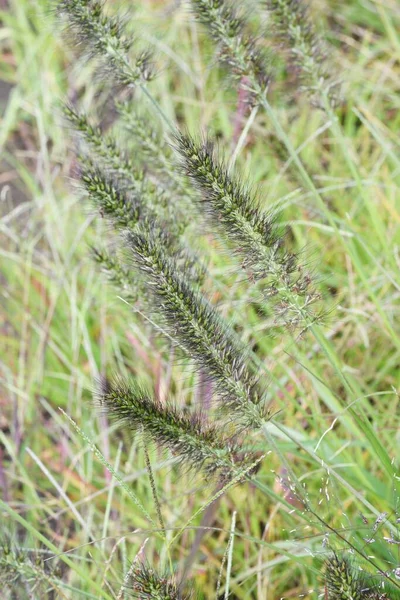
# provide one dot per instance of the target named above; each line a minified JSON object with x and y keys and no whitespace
{"x":244,"y":56}
{"x":188,"y":437}
{"x":255,"y":235}
{"x":125,"y":210}
{"x":112,"y":202}
{"x":105,"y":152}
{"x":145,"y":582}
{"x":158,"y":191}
{"x":105,"y":148}
{"x":196,"y":325}
{"x":103,"y":37}
{"x":344,"y":582}
{"x":152,"y":146}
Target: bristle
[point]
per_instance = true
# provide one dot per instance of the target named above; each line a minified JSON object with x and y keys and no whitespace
{"x":295,"y":29}
{"x":145,"y":583}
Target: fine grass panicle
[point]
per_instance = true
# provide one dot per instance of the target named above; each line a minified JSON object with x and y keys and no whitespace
{"x":153,"y":150}
{"x":196,"y":325}
{"x":101,"y":154}
{"x":105,"y":149}
{"x":255,"y":235}
{"x":102,"y":36}
{"x":104,"y":152}
{"x":192,"y":441}
{"x":142,"y":133}
{"x":124,"y":210}
{"x":121,"y":208}
{"x":245,"y":57}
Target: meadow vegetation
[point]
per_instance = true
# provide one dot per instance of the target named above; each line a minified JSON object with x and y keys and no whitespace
{"x":200,"y":341}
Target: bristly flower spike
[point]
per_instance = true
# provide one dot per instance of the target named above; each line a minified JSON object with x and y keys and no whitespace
{"x":117,"y":165}
{"x":343,"y":582}
{"x":196,"y":325}
{"x":256,"y":235}
{"x":106,"y":149}
{"x":118,"y":274}
{"x":125,"y":211}
{"x":146,"y":583}
{"x":102,"y":36}
{"x":155,"y":150}
{"x":294,"y":27}
{"x":122,"y":209}
{"x":246,"y":59}
{"x":195,"y":444}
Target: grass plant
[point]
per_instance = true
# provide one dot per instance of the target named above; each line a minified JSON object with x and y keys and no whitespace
{"x":246,"y":214}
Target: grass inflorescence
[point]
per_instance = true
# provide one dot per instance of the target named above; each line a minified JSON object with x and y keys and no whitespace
{"x":207,"y":339}
{"x":102,"y":36}
{"x":297,"y":33}
{"x":194,"y":442}
{"x":245,"y":57}
{"x":255,"y":235}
